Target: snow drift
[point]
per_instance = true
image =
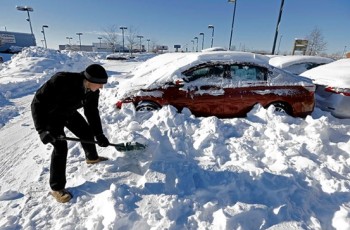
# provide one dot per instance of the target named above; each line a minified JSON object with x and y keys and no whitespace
{"x":265,"y":171}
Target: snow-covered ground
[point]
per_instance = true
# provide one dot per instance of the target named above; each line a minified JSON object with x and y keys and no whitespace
{"x":266,"y":171}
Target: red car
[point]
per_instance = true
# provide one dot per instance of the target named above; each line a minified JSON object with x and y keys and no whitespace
{"x":224,"y":84}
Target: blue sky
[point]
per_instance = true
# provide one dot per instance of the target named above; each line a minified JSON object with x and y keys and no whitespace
{"x":170,"y":22}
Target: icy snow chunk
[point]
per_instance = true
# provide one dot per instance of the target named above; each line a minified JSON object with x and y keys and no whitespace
{"x":10,"y":195}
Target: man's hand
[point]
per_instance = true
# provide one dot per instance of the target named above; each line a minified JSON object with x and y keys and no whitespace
{"x":102,"y":140}
{"x":46,"y":137}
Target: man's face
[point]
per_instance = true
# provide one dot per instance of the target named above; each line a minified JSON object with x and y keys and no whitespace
{"x":93,"y":86}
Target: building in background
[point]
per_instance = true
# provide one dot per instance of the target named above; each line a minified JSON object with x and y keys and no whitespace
{"x":85,"y":48}
{"x":14,"y":42}
{"x":95,"y":47}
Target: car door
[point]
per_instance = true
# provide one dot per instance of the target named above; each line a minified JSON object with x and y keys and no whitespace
{"x":205,"y":95}
{"x":245,"y":86}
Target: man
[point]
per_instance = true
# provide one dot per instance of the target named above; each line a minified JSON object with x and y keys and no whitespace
{"x":55,"y":106}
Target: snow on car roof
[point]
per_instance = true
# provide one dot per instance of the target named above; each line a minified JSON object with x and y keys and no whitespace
{"x":284,"y":61}
{"x":214,"y":49}
{"x":336,"y":74}
{"x":168,"y":67}
{"x":170,"y":62}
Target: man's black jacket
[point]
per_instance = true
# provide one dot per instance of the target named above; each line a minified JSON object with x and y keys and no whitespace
{"x":60,"y":97}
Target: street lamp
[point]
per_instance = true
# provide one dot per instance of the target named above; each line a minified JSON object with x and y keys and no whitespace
{"x":202,"y":40}
{"x":233,"y":21}
{"x":277,"y":27}
{"x":79,"y":34}
{"x":140,"y":37}
{"x":123,"y":28}
{"x":148,"y":40}
{"x":43,"y":31}
{"x":27,"y":8}
{"x":99,"y":38}
{"x":69,"y":38}
{"x":196,"y":38}
{"x":212,"y":35}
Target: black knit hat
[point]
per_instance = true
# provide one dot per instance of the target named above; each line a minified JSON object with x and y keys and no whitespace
{"x":95,"y":73}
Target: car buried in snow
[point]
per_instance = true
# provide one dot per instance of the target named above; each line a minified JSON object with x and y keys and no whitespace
{"x":225,"y":84}
{"x":298,"y":64}
{"x":332,"y":87}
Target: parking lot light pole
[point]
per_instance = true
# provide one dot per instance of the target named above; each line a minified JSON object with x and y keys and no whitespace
{"x":233,"y":21}
{"x":202,"y":40}
{"x":69,"y":38}
{"x":99,"y":38}
{"x":212,"y":35}
{"x":277,"y":28}
{"x":79,"y":34}
{"x":196,"y":38}
{"x":148,"y":40}
{"x":123,"y":28}
{"x":140,"y":37}
{"x":28,"y":9}
{"x":43,"y":31}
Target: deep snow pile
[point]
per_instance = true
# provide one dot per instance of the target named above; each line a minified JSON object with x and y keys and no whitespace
{"x":266,"y":171}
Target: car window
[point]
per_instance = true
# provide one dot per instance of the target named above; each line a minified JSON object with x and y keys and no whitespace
{"x":199,"y":72}
{"x":312,"y":65}
{"x":240,"y":72}
{"x":205,"y":72}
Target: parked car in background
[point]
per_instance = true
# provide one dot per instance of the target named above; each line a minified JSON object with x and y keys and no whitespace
{"x":223,"y":84}
{"x":332,"y":87}
{"x":298,"y":63}
{"x":119,"y":57}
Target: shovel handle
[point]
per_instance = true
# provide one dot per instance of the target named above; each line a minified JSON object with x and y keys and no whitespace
{"x":120,"y":147}
{"x":86,"y":141}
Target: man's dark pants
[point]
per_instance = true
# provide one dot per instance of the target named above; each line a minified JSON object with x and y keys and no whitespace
{"x":80,"y":128}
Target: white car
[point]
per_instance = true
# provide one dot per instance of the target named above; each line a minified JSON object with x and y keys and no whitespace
{"x":298,"y":64}
{"x":332,"y":87}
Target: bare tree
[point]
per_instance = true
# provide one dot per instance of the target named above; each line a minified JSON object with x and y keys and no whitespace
{"x":111,"y":36}
{"x":316,"y":44}
{"x":132,"y":39}
{"x":153,"y":44}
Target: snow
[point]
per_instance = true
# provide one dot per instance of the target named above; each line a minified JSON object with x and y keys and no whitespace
{"x":265,"y":171}
{"x":214,"y":49}
{"x":167,"y":68}
{"x":298,"y":64}
{"x":285,"y":61}
{"x":335,"y":74}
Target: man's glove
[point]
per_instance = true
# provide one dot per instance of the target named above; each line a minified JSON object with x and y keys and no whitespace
{"x":102,"y":140}
{"x":46,"y":137}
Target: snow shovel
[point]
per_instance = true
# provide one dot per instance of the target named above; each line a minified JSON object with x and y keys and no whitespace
{"x":122,"y":147}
